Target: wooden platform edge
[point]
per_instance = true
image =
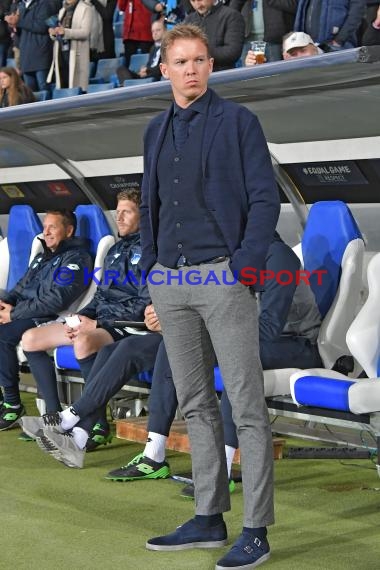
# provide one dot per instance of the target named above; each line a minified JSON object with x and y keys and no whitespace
{"x":136,"y":430}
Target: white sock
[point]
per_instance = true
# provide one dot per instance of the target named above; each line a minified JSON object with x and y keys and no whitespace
{"x":68,"y":419}
{"x":230,"y":452}
{"x":155,"y":447}
{"x":80,"y":437}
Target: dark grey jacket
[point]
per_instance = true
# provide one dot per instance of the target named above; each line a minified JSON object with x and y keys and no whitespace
{"x":278,"y":19}
{"x":4,"y":29}
{"x":224,"y":28}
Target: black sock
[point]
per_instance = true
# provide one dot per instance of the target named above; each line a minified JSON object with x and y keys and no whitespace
{"x":12,"y":396}
{"x":43,"y":370}
{"x":102,"y":418}
{"x":86,"y":365}
{"x":209,"y":520}
{"x":259,"y":532}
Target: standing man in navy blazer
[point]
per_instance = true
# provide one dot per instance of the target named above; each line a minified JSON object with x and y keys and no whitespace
{"x":209,"y":209}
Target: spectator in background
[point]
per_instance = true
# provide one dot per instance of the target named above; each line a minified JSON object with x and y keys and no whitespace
{"x":14,"y":49}
{"x":152,"y":68}
{"x":158,"y":9}
{"x":13,"y":90}
{"x":278,"y":18}
{"x":136,"y":28}
{"x":372,"y":33}
{"x":299,"y":44}
{"x":172,"y":10}
{"x":71,"y":37}
{"x":35,"y":46}
{"x":105,"y":10}
{"x":333,"y":24}
{"x":5,"y":36}
{"x":294,"y":44}
{"x":245,"y":7}
{"x":224,"y":28}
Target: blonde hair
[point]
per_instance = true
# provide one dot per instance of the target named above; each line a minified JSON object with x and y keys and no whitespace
{"x":182,"y":32}
{"x":131,"y":194}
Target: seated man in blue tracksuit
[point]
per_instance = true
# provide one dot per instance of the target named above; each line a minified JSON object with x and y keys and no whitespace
{"x":38,"y":298}
{"x":289,"y":324}
{"x":120,"y":296}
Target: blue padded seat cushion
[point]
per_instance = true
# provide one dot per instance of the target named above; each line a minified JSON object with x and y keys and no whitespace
{"x":329,"y":228}
{"x":323,"y":392}
{"x":23,"y":226}
{"x":65,"y":359}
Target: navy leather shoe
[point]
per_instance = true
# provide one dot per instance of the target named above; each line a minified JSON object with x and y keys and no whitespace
{"x":247,"y":553}
{"x":191,"y":535}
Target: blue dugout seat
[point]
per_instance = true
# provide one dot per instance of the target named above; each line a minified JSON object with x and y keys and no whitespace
{"x":134,"y":82}
{"x":324,"y":389}
{"x":330,"y":228}
{"x":43,"y":95}
{"x":67,"y":92}
{"x":68,"y":375}
{"x":15,"y":249}
{"x":93,"y":225}
{"x":105,"y":69}
{"x":332,"y":243}
{"x":98,"y":87}
{"x":137,"y":61}
{"x":65,"y":359}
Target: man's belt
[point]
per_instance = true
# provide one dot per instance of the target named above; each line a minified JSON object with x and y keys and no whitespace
{"x":183,"y":262}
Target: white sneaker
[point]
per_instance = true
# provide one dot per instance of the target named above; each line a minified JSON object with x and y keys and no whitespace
{"x":33,"y":425}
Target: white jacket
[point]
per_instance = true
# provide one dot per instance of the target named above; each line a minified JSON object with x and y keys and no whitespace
{"x":79,"y":36}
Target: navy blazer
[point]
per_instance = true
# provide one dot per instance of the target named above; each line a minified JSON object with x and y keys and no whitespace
{"x":238,"y":183}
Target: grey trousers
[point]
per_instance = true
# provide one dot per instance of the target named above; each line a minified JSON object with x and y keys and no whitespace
{"x":198,"y":320}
